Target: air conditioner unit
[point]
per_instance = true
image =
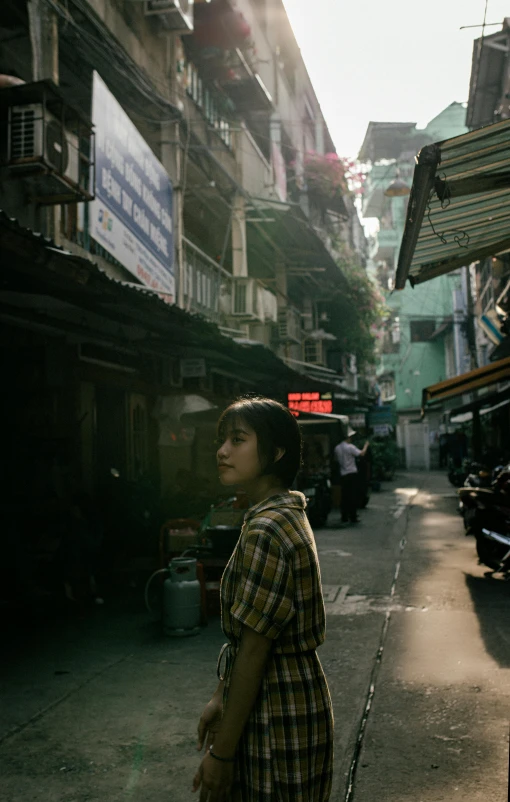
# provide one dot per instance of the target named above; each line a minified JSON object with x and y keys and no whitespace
{"x":263,"y":333}
{"x":269,"y":305}
{"x":289,"y":324}
{"x":36,"y":135}
{"x":177,"y":14}
{"x":246,"y":299}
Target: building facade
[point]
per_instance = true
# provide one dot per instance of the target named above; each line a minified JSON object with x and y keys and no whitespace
{"x":173,"y":211}
{"x":424,"y":338}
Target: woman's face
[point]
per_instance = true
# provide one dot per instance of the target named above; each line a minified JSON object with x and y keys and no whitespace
{"x":237,"y":457}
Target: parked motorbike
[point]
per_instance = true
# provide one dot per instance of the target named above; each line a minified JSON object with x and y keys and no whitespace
{"x":316,"y":487}
{"x":479,"y":476}
{"x":457,"y":474}
{"x":488,"y":514}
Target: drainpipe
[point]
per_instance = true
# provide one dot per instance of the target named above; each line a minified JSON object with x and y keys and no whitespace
{"x":43,"y":27}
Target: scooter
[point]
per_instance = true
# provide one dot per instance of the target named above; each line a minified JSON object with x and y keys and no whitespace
{"x":479,"y":476}
{"x":488,"y":512}
{"x":316,"y":487}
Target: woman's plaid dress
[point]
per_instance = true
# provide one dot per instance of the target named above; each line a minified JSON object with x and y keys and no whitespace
{"x":272,"y":585}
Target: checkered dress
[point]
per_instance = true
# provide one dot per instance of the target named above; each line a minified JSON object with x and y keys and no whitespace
{"x":272,"y":585}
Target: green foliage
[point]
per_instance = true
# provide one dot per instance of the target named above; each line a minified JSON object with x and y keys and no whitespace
{"x":384,"y":454}
{"x":357,"y":314}
{"x":325,"y":175}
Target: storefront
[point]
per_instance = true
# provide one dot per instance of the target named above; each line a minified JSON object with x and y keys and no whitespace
{"x":475,"y":384}
{"x":96,"y":378}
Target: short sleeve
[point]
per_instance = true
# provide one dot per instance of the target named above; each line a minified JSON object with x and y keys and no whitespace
{"x":264,"y":598}
{"x":354,"y":450}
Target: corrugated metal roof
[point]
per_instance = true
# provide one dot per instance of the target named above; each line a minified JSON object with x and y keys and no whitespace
{"x":459,"y":208}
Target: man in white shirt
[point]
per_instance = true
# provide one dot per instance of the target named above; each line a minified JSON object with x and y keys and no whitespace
{"x":345,"y":454}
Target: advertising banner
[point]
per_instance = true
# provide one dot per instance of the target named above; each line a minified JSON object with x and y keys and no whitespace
{"x":378,"y":416}
{"x":131,"y":216}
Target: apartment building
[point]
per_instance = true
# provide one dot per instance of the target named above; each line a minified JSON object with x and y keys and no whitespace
{"x":424,"y":338}
{"x":172,"y":212}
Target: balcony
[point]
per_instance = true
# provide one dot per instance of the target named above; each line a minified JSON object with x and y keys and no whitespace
{"x":207,"y":286}
{"x":223,"y":44}
{"x":256,"y":172}
{"x":208,"y":102}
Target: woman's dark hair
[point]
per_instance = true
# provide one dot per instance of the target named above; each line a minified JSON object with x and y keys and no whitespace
{"x":275,"y":428}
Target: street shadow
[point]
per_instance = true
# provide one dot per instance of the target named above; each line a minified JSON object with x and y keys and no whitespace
{"x":491,"y":600}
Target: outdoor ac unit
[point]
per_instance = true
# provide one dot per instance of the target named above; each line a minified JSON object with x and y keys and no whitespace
{"x":178,"y":14}
{"x":262,"y":332}
{"x":246,"y":299}
{"x":289,"y":324}
{"x":269,"y":305}
{"x":37,"y":135}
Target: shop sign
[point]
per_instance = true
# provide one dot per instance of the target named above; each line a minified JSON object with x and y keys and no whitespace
{"x":381,"y":415}
{"x":310,"y":402}
{"x":382,"y":429}
{"x":193,"y":368}
{"x":357,"y":420}
{"x":131,"y":216}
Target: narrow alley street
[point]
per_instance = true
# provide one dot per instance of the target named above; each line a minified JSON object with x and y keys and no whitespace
{"x":417,"y":658}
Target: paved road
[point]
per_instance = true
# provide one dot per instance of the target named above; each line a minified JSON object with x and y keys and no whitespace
{"x":417,"y":659}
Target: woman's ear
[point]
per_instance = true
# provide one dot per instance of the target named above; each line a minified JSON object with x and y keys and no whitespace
{"x":279,"y":452}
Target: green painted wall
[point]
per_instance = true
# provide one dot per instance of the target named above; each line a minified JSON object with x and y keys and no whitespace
{"x":418,"y":364}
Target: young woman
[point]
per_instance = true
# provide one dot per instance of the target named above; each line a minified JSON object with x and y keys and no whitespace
{"x":269,"y":726}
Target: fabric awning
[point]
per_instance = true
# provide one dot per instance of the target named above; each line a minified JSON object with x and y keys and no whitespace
{"x":459,"y":207}
{"x":466,"y":382}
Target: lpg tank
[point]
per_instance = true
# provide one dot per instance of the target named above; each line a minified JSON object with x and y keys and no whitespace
{"x":181,"y":598}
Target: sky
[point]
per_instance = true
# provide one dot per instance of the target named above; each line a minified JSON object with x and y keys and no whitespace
{"x":388,"y":60}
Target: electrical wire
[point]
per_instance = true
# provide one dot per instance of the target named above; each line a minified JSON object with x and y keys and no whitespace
{"x":130,"y":70}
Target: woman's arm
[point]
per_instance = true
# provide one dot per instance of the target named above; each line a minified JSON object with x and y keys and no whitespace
{"x":211,"y":718}
{"x":247,"y":673}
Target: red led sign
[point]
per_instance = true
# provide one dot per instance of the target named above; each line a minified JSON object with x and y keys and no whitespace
{"x":309,"y":402}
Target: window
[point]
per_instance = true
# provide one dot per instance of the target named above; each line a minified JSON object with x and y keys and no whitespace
{"x":422,"y":330}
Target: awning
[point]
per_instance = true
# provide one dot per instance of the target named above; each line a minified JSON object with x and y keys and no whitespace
{"x":466,"y":382}
{"x":283,"y":231}
{"x":459,"y":208}
{"x":490,"y":324}
{"x":308,"y":418}
{"x":49,"y":289}
{"x":485,"y":405}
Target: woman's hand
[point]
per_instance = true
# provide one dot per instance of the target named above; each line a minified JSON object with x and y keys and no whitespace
{"x":210,"y":722}
{"x":214,"y":780}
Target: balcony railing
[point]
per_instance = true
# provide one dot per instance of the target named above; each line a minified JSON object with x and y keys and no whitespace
{"x":206,"y":101}
{"x":207,"y":286}
{"x":256,"y":171}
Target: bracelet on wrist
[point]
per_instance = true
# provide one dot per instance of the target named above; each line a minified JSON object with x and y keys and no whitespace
{"x":221,"y":759}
